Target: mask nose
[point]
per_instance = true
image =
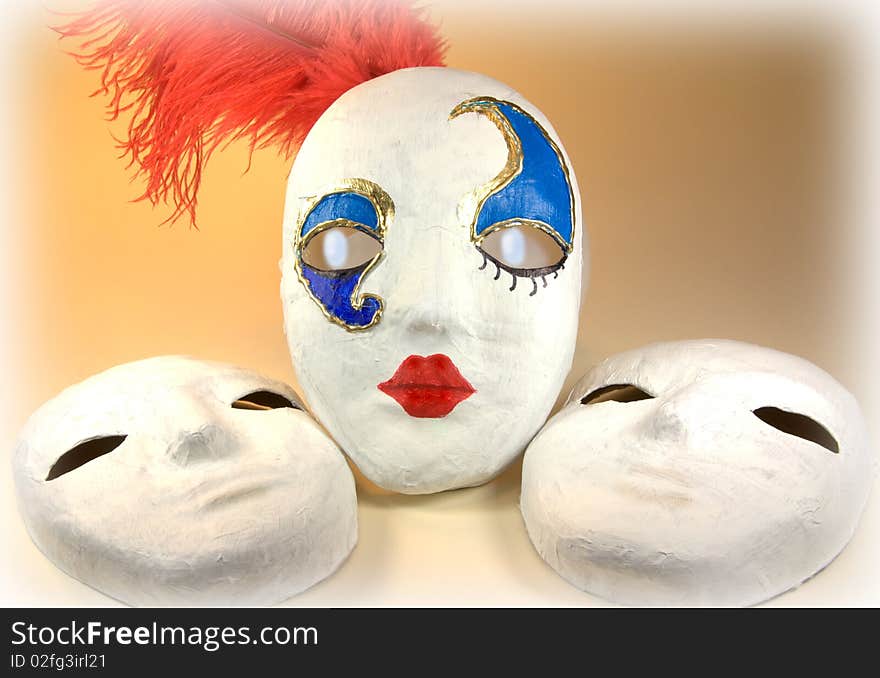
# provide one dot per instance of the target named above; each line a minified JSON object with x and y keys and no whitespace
{"x":668,"y":423}
{"x":207,"y":443}
{"x":426,"y":322}
{"x":427,"y":293}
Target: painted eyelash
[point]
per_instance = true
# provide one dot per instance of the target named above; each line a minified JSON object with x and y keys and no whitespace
{"x":531,"y":273}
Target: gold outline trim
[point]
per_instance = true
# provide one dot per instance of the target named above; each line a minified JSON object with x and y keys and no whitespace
{"x":488,"y":106}
{"x":384,"y":215}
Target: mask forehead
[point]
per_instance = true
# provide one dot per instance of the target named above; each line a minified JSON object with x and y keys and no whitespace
{"x":665,"y":367}
{"x":397,"y":132}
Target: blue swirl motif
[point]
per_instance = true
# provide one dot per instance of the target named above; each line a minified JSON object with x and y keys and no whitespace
{"x":334,"y":294}
{"x":334,"y":290}
{"x":541,"y":190}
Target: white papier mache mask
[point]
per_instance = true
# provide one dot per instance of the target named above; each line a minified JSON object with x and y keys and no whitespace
{"x":432,"y":275}
{"x":176,"y":481}
{"x":697,"y":472}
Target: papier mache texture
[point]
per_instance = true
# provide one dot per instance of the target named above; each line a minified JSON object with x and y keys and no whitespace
{"x":435,"y":351}
{"x":697,"y":472}
{"x":173,"y":481}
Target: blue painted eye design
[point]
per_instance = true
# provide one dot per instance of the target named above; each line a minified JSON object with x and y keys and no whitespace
{"x":340,"y":240}
{"x":524,"y":219}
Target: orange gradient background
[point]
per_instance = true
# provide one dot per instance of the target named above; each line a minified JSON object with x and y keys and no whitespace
{"x":713,"y":165}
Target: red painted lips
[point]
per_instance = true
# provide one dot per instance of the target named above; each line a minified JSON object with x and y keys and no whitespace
{"x":428,"y":388}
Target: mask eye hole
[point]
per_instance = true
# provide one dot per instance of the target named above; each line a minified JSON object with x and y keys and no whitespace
{"x":798,"y":425}
{"x":341,"y":247}
{"x":84,"y":453}
{"x":522,"y":247}
{"x":621,"y":393}
{"x":263,"y":400}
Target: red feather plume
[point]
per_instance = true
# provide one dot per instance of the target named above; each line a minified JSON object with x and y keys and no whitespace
{"x":196,"y":75}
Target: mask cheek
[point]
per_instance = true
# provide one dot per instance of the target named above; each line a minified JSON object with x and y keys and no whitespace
{"x":657,"y":510}
{"x":83,"y":510}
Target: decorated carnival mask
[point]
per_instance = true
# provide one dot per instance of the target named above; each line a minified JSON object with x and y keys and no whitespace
{"x":697,"y":472}
{"x":431,"y":275}
{"x":432,"y":246}
{"x":175,"y":481}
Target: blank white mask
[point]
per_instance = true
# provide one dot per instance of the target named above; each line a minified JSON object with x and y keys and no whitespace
{"x":697,"y":472}
{"x":174,"y":481}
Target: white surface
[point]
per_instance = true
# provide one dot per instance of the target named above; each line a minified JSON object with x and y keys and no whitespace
{"x":515,"y":349}
{"x":688,"y":497}
{"x":201,"y":503}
